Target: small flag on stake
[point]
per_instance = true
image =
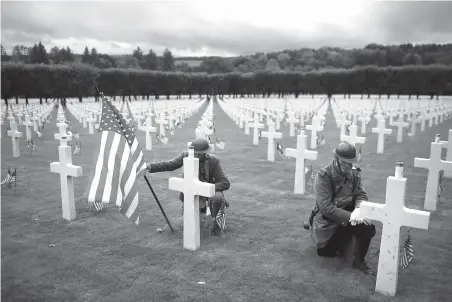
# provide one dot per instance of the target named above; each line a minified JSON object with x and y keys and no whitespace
{"x":78,"y":148}
{"x":10,"y":178}
{"x":440,"y":184}
{"x":309,"y":175}
{"x":219,"y":144}
{"x":360,"y":154}
{"x":407,"y":253}
{"x":321,"y":140}
{"x":31,"y":145}
{"x":280,"y":150}
{"x":164,"y":139}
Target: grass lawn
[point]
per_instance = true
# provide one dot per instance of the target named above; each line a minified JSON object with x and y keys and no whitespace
{"x":267,"y":255}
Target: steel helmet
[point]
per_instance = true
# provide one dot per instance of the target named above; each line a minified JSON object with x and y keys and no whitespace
{"x":201,"y":145}
{"x":346,"y":152}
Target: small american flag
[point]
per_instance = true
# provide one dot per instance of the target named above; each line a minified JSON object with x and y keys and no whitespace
{"x":31,"y":145}
{"x":309,"y":176}
{"x":220,"y":144}
{"x":119,"y":163}
{"x":360,"y":155}
{"x":10,"y":178}
{"x":78,"y":148}
{"x":408,"y":253}
{"x":440,"y":184}
{"x":164,"y":139}
{"x":220,"y":219}
{"x":321,"y":140}
{"x":280,"y":149}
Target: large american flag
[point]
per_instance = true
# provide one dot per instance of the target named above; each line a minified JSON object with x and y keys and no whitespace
{"x":119,"y":163}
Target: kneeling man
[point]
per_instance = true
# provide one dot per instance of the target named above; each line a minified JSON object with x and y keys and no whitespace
{"x":211,"y":171}
{"x":336,"y":218}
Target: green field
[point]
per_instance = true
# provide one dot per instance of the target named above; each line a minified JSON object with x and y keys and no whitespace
{"x":266,"y":256}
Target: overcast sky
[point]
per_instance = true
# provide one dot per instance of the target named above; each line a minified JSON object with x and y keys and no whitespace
{"x":222,"y":27}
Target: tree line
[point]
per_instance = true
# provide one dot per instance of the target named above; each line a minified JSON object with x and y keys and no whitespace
{"x":37,"y":54}
{"x":80,"y":80}
{"x":298,"y":60}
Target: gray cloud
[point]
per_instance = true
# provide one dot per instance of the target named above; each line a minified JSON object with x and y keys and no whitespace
{"x":119,"y":27}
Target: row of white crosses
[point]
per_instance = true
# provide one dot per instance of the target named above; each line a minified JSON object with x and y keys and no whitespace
{"x":381,"y":129}
{"x":40,"y":115}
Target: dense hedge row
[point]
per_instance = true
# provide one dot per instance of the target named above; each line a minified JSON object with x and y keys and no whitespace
{"x":46,"y":81}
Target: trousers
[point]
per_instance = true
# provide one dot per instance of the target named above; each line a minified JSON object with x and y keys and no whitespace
{"x":216,"y":202}
{"x":338,"y":243}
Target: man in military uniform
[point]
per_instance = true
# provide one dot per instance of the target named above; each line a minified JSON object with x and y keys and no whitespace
{"x":211,"y":171}
{"x":336,"y":217}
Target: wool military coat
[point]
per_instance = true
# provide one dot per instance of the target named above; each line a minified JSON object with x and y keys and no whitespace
{"x":334,"y":207}
{"x":210,"y":171}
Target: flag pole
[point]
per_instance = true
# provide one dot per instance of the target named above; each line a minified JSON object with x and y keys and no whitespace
{"x":147,"y":180}
{"x":158,"y":202}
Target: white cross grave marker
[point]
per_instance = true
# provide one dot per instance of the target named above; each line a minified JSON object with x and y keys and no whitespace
{"x":343,"y":123}
{"x":149,"y":130}
{"x":67,"y":173}
{"x":247,"y":120}
{"x":15,"y":135}
{"x":448,"y":146}
{"x":393,"y":214}
{"x":400,"y":124}
{"x":192,"y":188}
{"x":300,"y":154}
{"x":271,"y":134}
{"x":35,"y":119}
{"x":364,"y":121}
{"x":413,"y":121}
{"x":292,"y":120}
{"x":256,"y":126}
{"x":382,"y":131}
{"x":353,"y":138}
{"x":63,"y":133}
{"x":162,"y":122}
{"x":434,"y":165}
{"x":314,"y":128}
{"x":28,"y":123}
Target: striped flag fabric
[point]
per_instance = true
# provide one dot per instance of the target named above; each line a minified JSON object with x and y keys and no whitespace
{"x":408,"y":253}
{"x":440,"y":184}
{"x":10,"y":178}
{"x":219,"y":144}
{"x":220,"y":219}
{"x":280,"y":149}
{"x":119,"y":163}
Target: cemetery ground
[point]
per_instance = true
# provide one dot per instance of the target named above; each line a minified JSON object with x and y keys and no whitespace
{"x":266,"y":256}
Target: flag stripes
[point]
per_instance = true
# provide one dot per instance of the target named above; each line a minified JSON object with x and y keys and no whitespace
{"x":119,"y":162}
{"x":10,"y":178}
{"x":220,"y":219}
{"x":408,"y":253}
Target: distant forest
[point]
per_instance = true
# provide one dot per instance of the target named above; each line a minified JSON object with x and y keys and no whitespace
{"x":298,"y":60}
